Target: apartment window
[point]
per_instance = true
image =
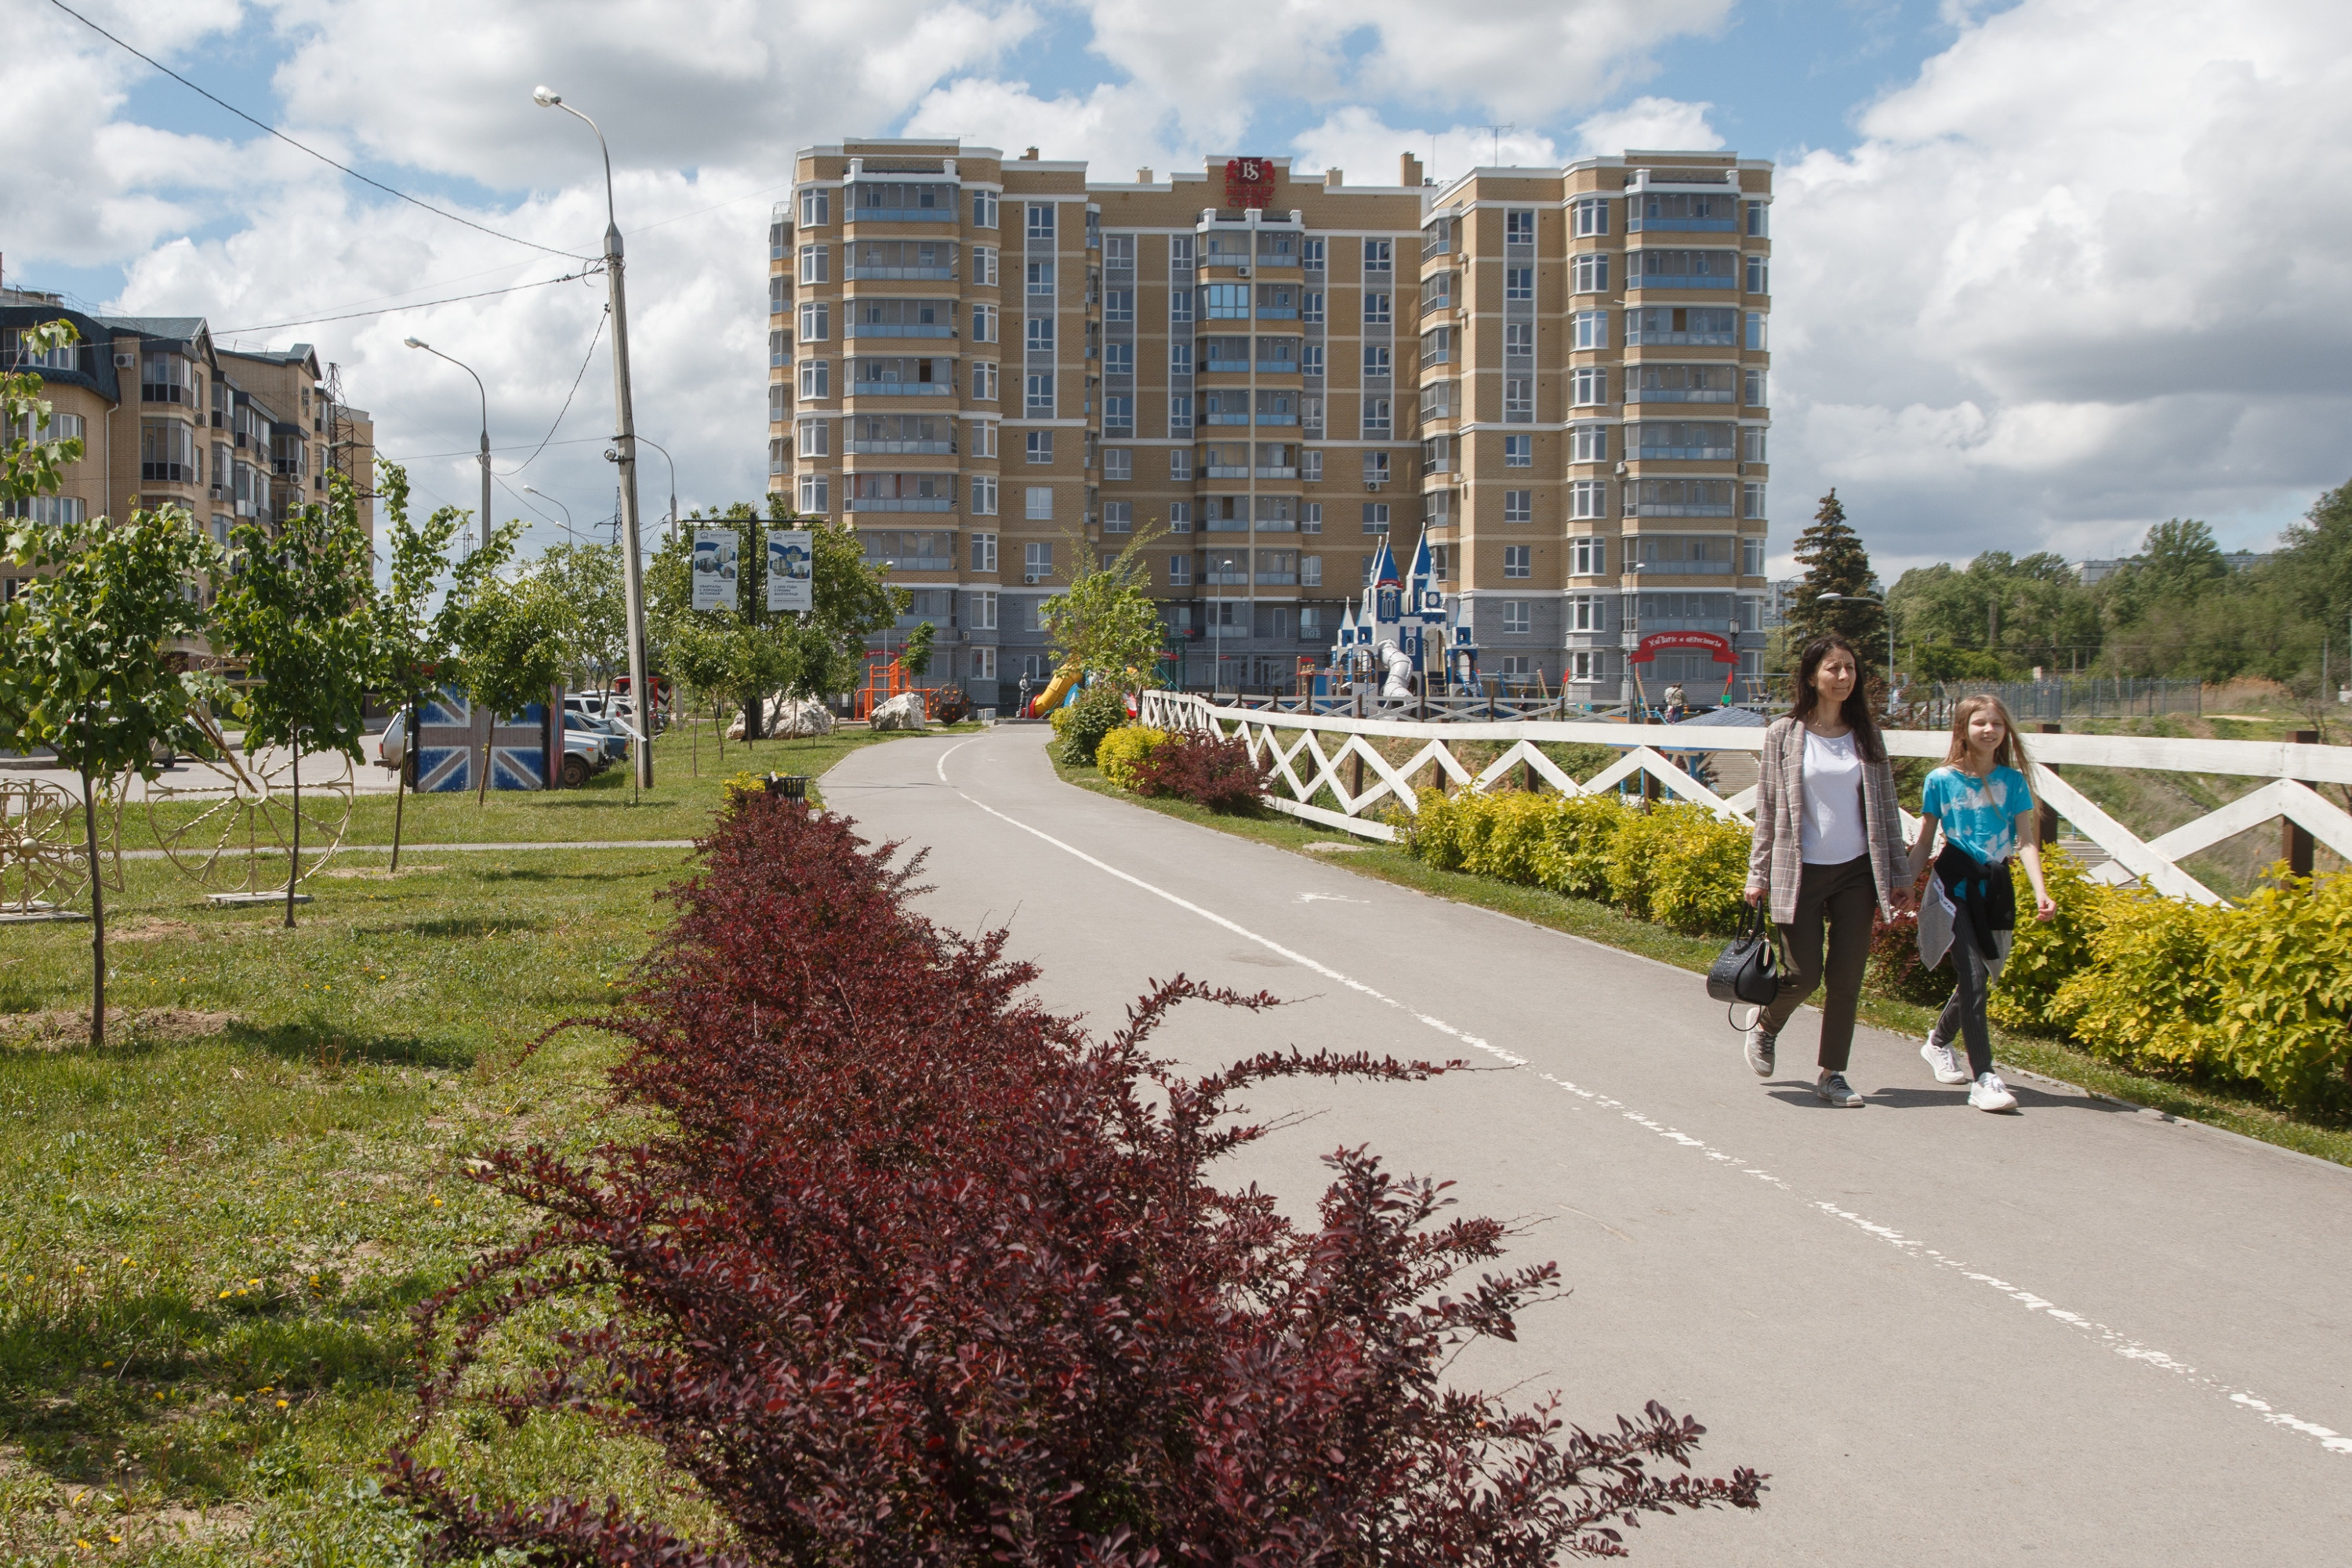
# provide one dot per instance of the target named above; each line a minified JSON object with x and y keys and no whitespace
{"x":1180,"y":569}
{"x":1376,"y":310}
{"x":983,"y":438}
{"x":1591,"y":216}
{"x":1041,"y":334}
{"x":815,"y":437}
{"x":1588,"y":612}
{"x":1364,"y":569}
{"x":984,"y":504}
{"x":1039,"y":400}
{"x":1519,"y":399}
{"x":1588,"y":444}
{"x":1180,"y":305}
{"x":1094,"y":229}
{"x":1751,"y":565}
{"x":1751,"y":500}
{"x":1039,"y":446}
{"x":1041,"y":279}
{"x":817,"y":379}
{"x":1310,"y":570}
{"x":1119,"y":463}
{"x":1376,"y":467}
{"x":1310,"y":416}
{"x":816,"y":321}
{"x":1376,"y":517}
{"x":1379,"y":255}
{"x":816,"y":263}
{"x":1519,"y":340}
{"x":1119,"y":251}
{"x":983,"y":266}
{"x":1376,"y":418}
{"x":1588,"y":386}
{"x":1310,"y":305}
{"x":1589,"y":272}
{"x":1587,"y":498}
{"x":1583,"y":667}
{"x":1441,"y":562}
{"x":1180,"y":413}
{"x":1376,"y":360}
{"x":817,"y":492}
{"x":780,"y":241}
{"x":817,"y":208}
{"x":1759,"y":275}
{"x":1180,"y":463}
{"x":1515,"y":619}
{"x":1041,"y":220}
{"x":1180,"y":517}
{"x":1037,"y":560}
{"x":1519,"y":227}
{"x":1225,"y":302}
{"x":1757,"y":337}
{"x":1519,"y":506}
{"x":1760,"y":220}
{"x":984,"y":604}
{"x":776,"y":456}
{"x":779,"y":295}
{"x":1118,"y":517}
{"x":1119,"y":305}
{"x":1179,"y":254}
{"x":1310,"y":516}
{"x":1310,"y":256}
{"x":1518,"y":282}
{"x":780,"y":348}
{"x":1590,"y":330}
{"x":1040,"y":507}
{"x":1441,"y":399}
{"x":983,"y":323}
{"x":1752,"y":444}
{"x":1310,"y":361}
{"x":1755,"y":397}
{"x":779,"y":399}
{"x":1518,"y":451}
{"x":1588,"y":556}
{"x":1118,"y":416}
{"x":983,"y":381}
{"x":1119,"y":359}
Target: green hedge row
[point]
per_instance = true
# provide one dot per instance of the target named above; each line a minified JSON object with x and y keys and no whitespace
{"x":2257,"y":995}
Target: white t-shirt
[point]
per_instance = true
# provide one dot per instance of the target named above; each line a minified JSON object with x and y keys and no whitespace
{"x":1833,"y":831}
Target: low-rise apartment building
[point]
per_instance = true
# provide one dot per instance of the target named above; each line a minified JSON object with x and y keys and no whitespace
{"x":167,"y":416}
{"x":983,"y":363}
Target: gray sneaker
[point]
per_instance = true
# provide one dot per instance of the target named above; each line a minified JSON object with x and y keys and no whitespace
{"x":1760,"y":1047}
{"x":1836,"y":1090}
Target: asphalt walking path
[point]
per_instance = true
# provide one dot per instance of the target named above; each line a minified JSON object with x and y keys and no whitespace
{"x":2077,"y":1334}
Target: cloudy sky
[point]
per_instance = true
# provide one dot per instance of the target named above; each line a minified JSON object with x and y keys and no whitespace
{"x":2047,"y":272}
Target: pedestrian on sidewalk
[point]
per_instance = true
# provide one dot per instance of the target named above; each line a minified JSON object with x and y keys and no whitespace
{"x":1829,"y":854}
{"x":1983,"y":801}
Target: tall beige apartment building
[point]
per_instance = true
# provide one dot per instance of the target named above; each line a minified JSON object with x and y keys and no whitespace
{"x":166,"y":416}
{"x":982,"y":361}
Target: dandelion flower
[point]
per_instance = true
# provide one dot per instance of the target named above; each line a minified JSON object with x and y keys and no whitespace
{"x":237,"y":1399}
{"x":281,"y":1405}
{"x":254,"y":1282}
{"x":437,"y":1203}
{"x":223,"y":1295}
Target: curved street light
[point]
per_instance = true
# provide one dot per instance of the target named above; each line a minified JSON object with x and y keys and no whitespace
{"x":625,"y":442}
{"x":535,"y":491}
{"x":656,"y":445}
{"x":461,"y":365}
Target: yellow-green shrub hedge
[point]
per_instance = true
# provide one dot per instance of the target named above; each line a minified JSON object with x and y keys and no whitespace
{"x":1679,"y":866}
{"x":1121,"y":750}
{"x":1664,"y":865}
{"x":2042,"y":957}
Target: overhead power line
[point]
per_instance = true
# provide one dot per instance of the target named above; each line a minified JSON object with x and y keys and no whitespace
{"x":354,"y":174}
{"x":577,"y":377}
{"x":418,"y":305}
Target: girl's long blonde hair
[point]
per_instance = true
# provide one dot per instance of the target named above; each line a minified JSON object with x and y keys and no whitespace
{"x":2009,"y":754}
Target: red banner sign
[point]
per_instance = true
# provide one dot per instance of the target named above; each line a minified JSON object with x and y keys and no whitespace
{"x":1249,"y":182}
{"x":1657,"y":643}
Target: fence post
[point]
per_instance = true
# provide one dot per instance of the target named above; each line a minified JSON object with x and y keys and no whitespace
{"x":2048,"y":821}
{"x":1355,"y":772}
{"x":2296,"y":849}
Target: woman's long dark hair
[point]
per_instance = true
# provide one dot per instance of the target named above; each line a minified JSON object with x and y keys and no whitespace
{"x":1855,"y":711}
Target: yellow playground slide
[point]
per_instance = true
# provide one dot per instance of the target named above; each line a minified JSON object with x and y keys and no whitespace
{"x":1051,"y":697}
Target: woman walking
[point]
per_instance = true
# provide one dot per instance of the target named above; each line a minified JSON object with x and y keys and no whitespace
{"x":1829,"y":854}
{"x":1984,"y":803}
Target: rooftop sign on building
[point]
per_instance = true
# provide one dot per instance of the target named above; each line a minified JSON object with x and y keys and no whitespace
{"x":1249,"y":182}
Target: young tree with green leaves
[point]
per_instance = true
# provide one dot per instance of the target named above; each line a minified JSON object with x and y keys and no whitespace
{"x":1106,"y":619}
{"x":510,"y":641}
{"x":29,"y":463}
{"x":586,"y":580}
{"x":294,"y":610}
{"x":1835,"y":562}
{"x":914,"y":658}
{"x":416,"y":640}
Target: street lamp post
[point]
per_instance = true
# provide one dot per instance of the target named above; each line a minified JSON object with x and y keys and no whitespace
{"x":436,"y":353}
{"x":1866,"y":599}
{"x":658,"y":447}
{"x":534,"y":489}
{"x":625,"y":446}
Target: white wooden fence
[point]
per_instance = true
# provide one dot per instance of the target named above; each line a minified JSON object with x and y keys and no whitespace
{"x":1313,"y":755}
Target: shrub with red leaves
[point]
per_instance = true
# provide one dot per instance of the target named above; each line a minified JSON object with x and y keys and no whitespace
{"x":920,"y":1273}
{"x":1895,"y":967}
{"x":1205,"y":770}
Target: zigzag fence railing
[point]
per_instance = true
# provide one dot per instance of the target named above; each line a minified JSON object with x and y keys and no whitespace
{"x":1319,"y":756}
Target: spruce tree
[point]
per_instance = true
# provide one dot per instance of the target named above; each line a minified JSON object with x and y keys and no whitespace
{"x":1835,"y":562}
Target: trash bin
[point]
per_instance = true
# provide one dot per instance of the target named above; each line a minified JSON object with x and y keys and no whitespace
{"x":789,"y":786}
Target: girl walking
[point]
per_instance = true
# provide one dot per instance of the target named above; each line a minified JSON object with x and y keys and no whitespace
{"x":1829,"y":854}
{"x":1982,"y":800}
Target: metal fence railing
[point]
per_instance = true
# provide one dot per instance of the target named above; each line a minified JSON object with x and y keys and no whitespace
{"x":2073,"y":697}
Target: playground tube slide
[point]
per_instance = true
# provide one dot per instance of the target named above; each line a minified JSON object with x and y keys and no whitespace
{"x":1047,"y":700}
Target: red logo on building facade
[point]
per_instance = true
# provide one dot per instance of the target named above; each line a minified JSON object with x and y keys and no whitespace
{"x":1720,"y":647}
{"x":1249,"y":182}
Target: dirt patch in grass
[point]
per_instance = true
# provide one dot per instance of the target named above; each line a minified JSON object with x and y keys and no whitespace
{"x":61,"y":1029}
{"x":154,"y":929}
{"x":374,"y":873}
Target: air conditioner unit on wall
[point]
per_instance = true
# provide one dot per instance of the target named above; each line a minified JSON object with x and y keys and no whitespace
{"x":1375,"y":484}
{"x":1029,"y":577}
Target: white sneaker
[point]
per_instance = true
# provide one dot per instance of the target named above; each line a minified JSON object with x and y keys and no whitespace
{"x":1992,"y":1094}
{"x":1946,"y":1066}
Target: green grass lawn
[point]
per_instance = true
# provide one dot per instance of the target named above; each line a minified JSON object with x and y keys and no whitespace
{"x":211,"y":1233}
{"x":1586,"y":918}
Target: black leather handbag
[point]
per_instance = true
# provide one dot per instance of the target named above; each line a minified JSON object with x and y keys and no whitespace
{"x":1748,"y":968}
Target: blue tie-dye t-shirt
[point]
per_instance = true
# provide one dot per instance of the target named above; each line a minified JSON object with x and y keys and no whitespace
{"x":1978,"y":815}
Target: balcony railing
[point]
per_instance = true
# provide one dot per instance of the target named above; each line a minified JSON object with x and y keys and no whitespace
{"x":919,"y":449}
{"x":900,"y":388}
{"x":1238,"y":367}
{"x":896,"y":330}
{"x":1680,"y":394}
{"x":1683,"y":454}
{"x":898,"y":274}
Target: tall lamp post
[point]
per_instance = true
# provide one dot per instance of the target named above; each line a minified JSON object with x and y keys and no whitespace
{"x":625,"y":446}
{"x":461,"y":365}
{"x":658,"y":447}
{"x":1866,"y":599}
{"x":568,"y":537}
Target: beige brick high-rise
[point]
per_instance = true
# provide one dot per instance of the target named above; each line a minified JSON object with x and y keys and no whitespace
{"x":979,"y":360}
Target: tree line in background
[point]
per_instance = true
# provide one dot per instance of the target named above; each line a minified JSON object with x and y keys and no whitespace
{"x":2182,"y":609}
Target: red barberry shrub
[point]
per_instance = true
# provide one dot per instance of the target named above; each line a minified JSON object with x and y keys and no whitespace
{"x":1895,"y":967}
{"x":1205,"y":770}
{"x":914,"y":1271}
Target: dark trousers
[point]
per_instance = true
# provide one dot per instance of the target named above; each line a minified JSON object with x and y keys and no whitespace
{"x":1838,"y":902}
{"x":1964,"y":1012}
